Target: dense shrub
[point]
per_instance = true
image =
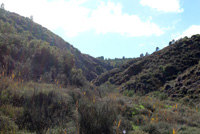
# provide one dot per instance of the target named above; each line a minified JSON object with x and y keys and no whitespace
{"x":7,"y":125}
{"x":96,"y":118}
{"x":46,"y":110}
{"x":77,"y":78}
{"x":189,"y":130}
{"x":128,"y":93}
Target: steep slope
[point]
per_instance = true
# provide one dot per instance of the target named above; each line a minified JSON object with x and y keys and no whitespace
{"x":30,"y":30}
{"x":151,"y":72}
{"x":186,"y":85}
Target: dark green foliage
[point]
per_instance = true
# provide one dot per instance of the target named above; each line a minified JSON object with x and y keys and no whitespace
{"x":101,"y":58}
{"x":95,"y":118}
{"x":185,"y":86}
{"x":99,"y":70}
{"x":34,"y":107}
{"x":158,"y":128}
{"x":47,"y":108}
{"x":160,"y":95}
{"x":128,"y":93}
{"x":150,"y":73}
{"x":189,"y":130}
{"x":45,"y":111}
{"x":6,"y":28}
{"x":7,"y":126}
{"x":22,"y":40}
{"x":30,"y":58}
{"x":115,"y":63}
{"x":77,"y":78}
{"x":170,"y":71}
{"x":157,"y":49}
{"x":151,"y":129}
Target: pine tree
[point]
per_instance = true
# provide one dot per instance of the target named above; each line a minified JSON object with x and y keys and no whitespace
{"x":2,"y":6}
{"x":31,"y":17}
{"x":157,"y":49}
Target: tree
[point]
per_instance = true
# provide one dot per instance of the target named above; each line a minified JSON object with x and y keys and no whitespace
{"x":2,"y":6}
{"x":141,"y":55}
{"x":31,"y":17}
{"x":172,"y":42}
{"x":146,"y":54}
{"x":157,"y":49}
{"x":77,"y":77}
{"x":101,"y":58}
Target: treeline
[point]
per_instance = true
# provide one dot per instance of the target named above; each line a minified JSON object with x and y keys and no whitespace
{"x":117,"y":62}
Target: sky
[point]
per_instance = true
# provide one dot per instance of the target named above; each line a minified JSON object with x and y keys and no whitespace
{"x":113,"y":28}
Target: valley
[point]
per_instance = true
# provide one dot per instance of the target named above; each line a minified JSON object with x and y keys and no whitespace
{"x":47,"y":86}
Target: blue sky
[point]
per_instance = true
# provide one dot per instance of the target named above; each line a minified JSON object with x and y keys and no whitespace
{"x":114,"y":28}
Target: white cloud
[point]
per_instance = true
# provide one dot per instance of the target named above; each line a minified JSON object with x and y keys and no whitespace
{"x":192,"y":30}
{"x":163,"y":5}
{"x":74,"y":18}
{"x":108,"y":18}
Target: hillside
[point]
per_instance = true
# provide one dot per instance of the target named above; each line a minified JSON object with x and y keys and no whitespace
{"x":150,"y":73}
{"x":23,"y":29}
{"x":186,"y":86}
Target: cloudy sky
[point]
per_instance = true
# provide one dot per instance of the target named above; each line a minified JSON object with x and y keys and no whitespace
{"x":113,"y":28}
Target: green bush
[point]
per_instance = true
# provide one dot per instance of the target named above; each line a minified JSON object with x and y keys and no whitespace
{"x":77,"y":77}
{"x":107,"y":88}
{"x":189,"y":130}
{"x":151,"y":129}
{"x":128,"y":93}
{"x":96,"y":118}
{"x":7,"y":125}
{"x":44,"y":110}
{"x":163,"y":96}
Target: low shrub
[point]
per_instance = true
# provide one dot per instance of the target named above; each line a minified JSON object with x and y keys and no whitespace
{"x":7,"y":125}
{"x":189,"y":130}
{"x":128,"y":93}
{"x":151,"y":129}
{"x":96,"y":118}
